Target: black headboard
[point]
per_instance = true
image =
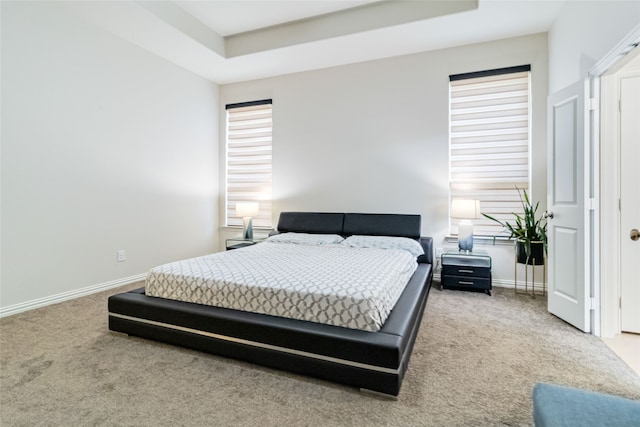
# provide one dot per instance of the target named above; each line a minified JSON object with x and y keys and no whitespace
{"x":311,"y":222}
{"x":347,"y":224}
{"x":382,"y":225}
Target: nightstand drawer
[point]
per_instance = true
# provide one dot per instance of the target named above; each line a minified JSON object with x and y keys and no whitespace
{"x":464,"y":270}
{"x":467,"y":260}
{"x":460,"y":282}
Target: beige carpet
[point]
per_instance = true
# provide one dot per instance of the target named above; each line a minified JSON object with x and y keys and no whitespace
{"x":474,"y":364}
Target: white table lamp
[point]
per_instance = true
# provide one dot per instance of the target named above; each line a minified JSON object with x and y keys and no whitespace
{"x":465,"y":210}
{"x":247,"y":210}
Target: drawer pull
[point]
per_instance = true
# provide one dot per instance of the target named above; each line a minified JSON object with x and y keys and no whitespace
{"x":462,"y":282}
{"x":465,"y":271}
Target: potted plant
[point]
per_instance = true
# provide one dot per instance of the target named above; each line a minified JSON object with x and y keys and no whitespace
{"x":529,"y":231}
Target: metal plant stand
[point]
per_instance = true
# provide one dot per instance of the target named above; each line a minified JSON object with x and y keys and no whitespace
{"x":531,"y":292}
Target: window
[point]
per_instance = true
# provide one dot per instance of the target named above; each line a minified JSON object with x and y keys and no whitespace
{"x":489,"y":134}
{"x":248,"y":162}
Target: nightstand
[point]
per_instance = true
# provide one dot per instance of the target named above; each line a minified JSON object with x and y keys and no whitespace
{"x":239,"y":242}
{"x":469,"y":271}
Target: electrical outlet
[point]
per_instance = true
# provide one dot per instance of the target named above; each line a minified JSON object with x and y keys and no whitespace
{"x":122,"y":255}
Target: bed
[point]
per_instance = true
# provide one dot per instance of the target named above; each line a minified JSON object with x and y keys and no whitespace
{"x":374,"y":360}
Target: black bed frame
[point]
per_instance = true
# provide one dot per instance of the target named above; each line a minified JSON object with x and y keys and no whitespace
{"x":374,"y":361}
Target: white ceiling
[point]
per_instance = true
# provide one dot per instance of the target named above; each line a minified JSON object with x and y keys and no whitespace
{"x":231,"y":41}
{"x":239,"y":16}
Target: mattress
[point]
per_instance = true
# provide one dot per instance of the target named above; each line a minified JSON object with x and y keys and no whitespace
{"x":331,"y":284}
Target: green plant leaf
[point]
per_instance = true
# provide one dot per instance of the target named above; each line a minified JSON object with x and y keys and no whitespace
{"x":527,"y":227}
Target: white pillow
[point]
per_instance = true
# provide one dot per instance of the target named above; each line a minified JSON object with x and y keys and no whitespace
{"x":306,"y":239}
{"x":385,"y":242}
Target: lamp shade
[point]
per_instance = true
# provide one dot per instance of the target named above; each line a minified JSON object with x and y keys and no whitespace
{"x":465,"y":208}
{"x":247,"y":209}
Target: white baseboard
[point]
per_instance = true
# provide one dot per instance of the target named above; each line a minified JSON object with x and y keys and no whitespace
{"x":65,"y":296}
{"x":501,"y":283}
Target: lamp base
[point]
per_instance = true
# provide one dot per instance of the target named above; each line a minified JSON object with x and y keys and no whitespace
{"x":465,"y":236}
{"x":247,"y":228}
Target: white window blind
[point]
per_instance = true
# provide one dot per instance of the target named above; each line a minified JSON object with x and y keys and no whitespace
{"x":489,"y":136}
{"x":248,"y":164}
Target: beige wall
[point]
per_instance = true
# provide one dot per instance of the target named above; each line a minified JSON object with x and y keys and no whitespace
{"x":373,"y":137}
{"x":104,"y":147}
{"x":583,"y":33}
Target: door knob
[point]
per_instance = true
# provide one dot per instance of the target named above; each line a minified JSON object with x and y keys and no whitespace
{"x":635,"y":234}
{"x":548,"y":215}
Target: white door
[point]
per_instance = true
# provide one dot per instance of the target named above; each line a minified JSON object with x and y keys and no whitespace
{"x":568,"y":290}
{"x":629,"y":203}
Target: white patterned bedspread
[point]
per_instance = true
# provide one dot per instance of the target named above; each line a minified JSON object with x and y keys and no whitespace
{"x":332,"y":284}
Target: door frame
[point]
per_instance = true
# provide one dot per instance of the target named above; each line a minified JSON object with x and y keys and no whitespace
{"x":604,"y":180}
